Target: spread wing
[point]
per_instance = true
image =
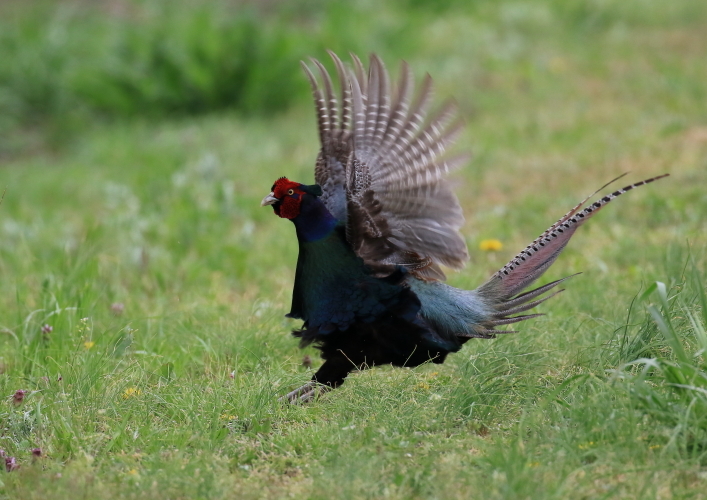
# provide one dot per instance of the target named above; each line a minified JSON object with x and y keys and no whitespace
{"x":382,"y":166}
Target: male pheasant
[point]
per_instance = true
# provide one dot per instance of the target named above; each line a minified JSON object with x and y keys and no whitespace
{"x":380,"y":222}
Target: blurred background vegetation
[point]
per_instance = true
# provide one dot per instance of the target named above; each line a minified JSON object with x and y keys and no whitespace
{"x":67,"y":64}
{"x":77,"y":61}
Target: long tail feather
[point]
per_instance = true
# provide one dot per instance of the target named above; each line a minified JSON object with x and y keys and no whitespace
{"x":501,"y":290}
{"x":483,"y":334}
{"x":525,"y":297}
{"x":515,"y":319}
{"x":524,"y":307}
{"x":532,"y":261}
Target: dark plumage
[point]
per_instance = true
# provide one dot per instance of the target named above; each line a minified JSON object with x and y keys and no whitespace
{"x":381,"y":221}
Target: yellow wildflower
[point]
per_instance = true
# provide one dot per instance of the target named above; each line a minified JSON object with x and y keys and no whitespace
{"x":585,"y":445}
{"x":490,"y":245}
{"x":130,"y":392}
{"x":88,"y":344}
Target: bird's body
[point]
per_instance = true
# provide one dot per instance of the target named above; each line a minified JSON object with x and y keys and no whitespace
{"x":377,"y":227}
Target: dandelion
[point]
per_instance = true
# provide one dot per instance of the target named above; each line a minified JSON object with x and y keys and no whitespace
{"x":490,"y":245}
{"x":88,"y":344}
{"x":130,"y":392}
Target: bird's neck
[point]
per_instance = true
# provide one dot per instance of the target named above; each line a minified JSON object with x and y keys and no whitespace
{"x":314,"y":221}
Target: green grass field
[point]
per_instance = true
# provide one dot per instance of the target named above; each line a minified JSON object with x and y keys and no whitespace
{"x":140,"y":243}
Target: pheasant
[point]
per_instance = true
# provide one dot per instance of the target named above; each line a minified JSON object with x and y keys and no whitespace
{"x":379,"y":224}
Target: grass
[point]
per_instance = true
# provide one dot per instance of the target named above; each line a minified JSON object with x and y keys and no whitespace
{"x":173,"y":393}
{"x":69,"y":62}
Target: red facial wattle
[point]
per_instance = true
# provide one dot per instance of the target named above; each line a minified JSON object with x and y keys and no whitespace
{"x":285,"y":198}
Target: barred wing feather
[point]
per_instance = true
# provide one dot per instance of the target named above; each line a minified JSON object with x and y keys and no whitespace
{"x":382,"y":167}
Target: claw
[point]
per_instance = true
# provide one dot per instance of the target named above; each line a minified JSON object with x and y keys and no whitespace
{"x":314,"y":393}
{"x":291,"y":397}
{"x":308,"y":392}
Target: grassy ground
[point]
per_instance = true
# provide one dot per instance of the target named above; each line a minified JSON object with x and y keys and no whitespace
{"x":141,"y":245}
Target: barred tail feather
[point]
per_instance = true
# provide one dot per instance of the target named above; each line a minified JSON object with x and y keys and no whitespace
{"x":501,"y":290}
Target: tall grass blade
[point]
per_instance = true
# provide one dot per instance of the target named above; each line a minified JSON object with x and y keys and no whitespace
{"x":662,"y":319}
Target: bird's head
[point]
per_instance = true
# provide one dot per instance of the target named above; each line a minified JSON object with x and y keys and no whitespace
{"x":286,"y":197}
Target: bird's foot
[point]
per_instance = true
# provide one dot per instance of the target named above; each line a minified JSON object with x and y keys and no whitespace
{"x":308,"y":392}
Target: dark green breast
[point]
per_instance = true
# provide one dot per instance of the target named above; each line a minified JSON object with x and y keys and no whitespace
{"x":333,"y":289}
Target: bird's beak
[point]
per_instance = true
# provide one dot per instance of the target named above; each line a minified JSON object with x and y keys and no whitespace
{"x":269,"y":200}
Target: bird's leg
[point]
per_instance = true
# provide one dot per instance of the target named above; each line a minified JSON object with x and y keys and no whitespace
{"x":314,"y":392}
{"x":294,"y":395}
{"x":308,"y":392}
{"x":334,"y":370}
{"x":329,"y":376}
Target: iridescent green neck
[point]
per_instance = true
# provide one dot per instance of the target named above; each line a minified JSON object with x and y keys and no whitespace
{"x":314,"y":221}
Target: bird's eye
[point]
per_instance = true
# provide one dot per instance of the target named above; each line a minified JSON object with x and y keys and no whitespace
{"x":291,"y":192}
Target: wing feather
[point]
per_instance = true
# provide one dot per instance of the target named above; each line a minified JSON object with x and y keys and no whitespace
{"x":399,"y":109}
{"x":346,"y":104}
{"x":383,"y":164}
{"x":330,"y":101}
{"x":322,"y":116}
{"x":372,"y":107}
